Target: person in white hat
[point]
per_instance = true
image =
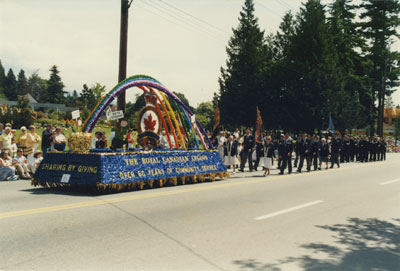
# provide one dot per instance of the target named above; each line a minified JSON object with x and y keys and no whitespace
{"x":5,"y":139}
{"x":22,"y":138}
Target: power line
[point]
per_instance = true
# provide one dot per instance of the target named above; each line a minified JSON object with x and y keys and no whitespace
{"x":176,"y":21}
{"x":267,"y":8}
{"x":283,"y":4}
{"x":178,"y":17}
{"x":160,"y":16}
{"x":194,"y":17}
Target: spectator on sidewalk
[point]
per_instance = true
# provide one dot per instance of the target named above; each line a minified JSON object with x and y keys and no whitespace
{"x":38,"y":159}
{"x":21,"y":159}
{"x":47,"y":139}
{"x":5,"y":139}
{"x":32,"y":141}
{"x":22,"y":138}
{"x":14,"y":148}
{"x":7,"y":170}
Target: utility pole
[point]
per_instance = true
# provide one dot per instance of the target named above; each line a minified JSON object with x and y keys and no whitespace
{"x":123,"y":44}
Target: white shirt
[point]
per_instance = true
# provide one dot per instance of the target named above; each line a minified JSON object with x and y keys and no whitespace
{"x":7,"y":141}
{"x":60,"y":138}
{"x":221,"y":141}
{"x":20,"y":159}
{"x":164,"y":142}
{"x":94,"y":140}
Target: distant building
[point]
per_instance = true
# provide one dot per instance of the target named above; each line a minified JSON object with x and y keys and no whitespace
{"x":34,"y":105}
{"x":390,"y":114}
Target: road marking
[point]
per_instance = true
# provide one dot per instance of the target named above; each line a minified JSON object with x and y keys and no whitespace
{"x":389,"y":182}
{"x":288,"y":210}
{"x":166,"y":193}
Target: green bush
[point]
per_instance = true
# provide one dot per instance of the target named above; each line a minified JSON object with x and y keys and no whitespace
{"x":45,"y":121}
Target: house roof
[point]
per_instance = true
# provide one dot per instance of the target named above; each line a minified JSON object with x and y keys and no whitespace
{"x":30,"y":98}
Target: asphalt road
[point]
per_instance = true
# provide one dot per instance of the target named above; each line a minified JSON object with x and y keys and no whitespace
{"x":341,"y":219}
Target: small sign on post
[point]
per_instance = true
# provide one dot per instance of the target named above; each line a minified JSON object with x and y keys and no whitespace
{"x":115,"y":115}
{"x":75,"y":114}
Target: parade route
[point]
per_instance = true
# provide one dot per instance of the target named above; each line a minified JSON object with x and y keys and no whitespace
{"x":340,"y":219}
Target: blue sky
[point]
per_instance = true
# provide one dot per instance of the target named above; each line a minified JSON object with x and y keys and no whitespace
{"x":82,"y":38}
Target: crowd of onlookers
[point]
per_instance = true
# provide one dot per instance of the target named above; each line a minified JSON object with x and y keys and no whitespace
{"x":21,"y":155}
{"x":291,"y":150}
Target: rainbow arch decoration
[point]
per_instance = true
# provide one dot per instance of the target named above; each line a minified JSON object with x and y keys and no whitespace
{"x":177,"y":119}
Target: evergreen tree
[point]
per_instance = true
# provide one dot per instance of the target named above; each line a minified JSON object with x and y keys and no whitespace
{"x":241,"y":80}
{"x":347,"y":111}
{"x":282,"y":100}
{"x":314,"y":59}
{"x":380,"y":25}
{"x":22,"y":84}
{"x":37,"y":87}
{"x":10,"y":89}
{"x":3,"y":79}
{"x":55,"y":92}
{"x":88,"y":97}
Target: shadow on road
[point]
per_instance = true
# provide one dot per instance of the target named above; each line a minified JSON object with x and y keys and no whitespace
{"x":362,"y":245}
{"x":60,"y":191}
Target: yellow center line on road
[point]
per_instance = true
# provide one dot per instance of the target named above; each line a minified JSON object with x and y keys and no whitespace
{"x":166,"y":193}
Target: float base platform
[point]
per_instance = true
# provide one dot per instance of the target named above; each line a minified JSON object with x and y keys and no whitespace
{"x":119,"y":171}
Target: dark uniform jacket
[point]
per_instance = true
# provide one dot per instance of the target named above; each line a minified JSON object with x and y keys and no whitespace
{"x":231,"y":147}
{"x":268,"y":150}
{"x":298,"y":146}
{"x":324,"y":149}
{"x":289,"y":147}
{"x":314,"y":147}
{"x":336,"y":145}
{"x":248,"y":143}
{"x":306,"y":147}
{"x":281,"y":147}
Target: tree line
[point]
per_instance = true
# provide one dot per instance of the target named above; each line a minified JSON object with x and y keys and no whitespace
{"x":51,"y":90}
{"x":324,"y":61}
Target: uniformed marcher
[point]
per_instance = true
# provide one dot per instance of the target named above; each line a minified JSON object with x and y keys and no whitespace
{"x":353,"y":149}
{"x":336,"y":147}
{"x":378,"y":149}
{"x":314,"y":151}
{"x":297,"y":149}
{"x":347,"y":149}
{"x":248,"y":145}
{"x":259,"y":150}
{"x":363,"y":150}
{"x":323,"y":153}
{"x":372,"y":149}
{"x":305,"y":153}
{"x":231,"y":153}
{"x":281,"y":150}
{"x":383,"y":142}
{"x":287,"y":155}
{"x":267,"y":155}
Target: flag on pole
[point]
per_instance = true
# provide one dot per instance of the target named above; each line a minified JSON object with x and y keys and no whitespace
{"x":330,"y":127}
{"x":217,"y":120}
{"x":259,"y":125}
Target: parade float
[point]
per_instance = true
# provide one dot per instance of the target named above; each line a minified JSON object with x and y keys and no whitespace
{"x":188,"y":157}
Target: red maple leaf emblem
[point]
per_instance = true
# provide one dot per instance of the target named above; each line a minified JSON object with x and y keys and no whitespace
{"x":149,"y":123}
